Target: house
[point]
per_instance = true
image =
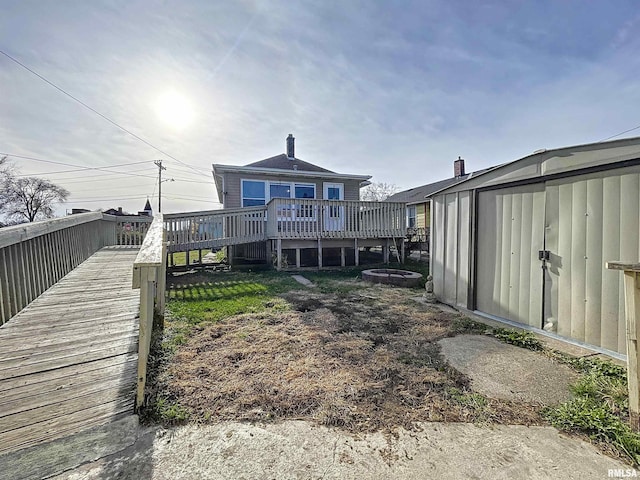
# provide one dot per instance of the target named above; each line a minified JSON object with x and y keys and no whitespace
{"x":418,"y":205}
{"x":283,"y":176}
{"x":526,"y":242}
{"x":307,"y":214}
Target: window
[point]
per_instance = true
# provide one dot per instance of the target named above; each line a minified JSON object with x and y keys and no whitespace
{"x":305,"y":191}
{"x":411,"y":216}
{"x":259,"y":192}
{"x":253,"y":193}
{"x":280,"y":190}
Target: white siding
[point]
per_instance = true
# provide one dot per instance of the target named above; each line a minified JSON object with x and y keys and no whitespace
{"x":591,"y":219}
{"x":450,"y":258}
{"x":510,"y":234}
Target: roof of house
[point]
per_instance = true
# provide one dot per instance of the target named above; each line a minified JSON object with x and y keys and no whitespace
{"x":282,"y":162}
{"x":417,"y":194}
{"x":282,"y":165}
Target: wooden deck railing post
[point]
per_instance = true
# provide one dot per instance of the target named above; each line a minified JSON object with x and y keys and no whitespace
{"x":149,"y":275}
{"x":632,"y":318}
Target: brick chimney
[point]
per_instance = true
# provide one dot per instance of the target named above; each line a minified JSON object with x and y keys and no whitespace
{"x":458,"y":168}
{"x":291,"y":151}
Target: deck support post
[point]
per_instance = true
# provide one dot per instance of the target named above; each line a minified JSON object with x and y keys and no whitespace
{"x":356,"y":251}
{"x":269,"y":251}
{"x":632,"y":318}
{"x":343,"y":258}
{"x":297,"y":258}
{"x":186,"y":260}
{"x":319,"y":254}
{"x":200,"y":256}
{"x":279,"y":254}
{"x":385,"y":251}
{"x":402,"y":252}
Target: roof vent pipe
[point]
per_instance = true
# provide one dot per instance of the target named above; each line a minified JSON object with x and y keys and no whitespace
{"x":458,"y":168}
{"x":291,"y":147}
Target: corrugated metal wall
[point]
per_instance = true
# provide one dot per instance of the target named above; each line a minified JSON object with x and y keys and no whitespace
{"x":451,"y":247}
{"x":591,"y":219}
{"x":510,"y":234}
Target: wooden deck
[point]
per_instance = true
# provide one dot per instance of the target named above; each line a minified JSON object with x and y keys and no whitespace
{"x":68,"y":360}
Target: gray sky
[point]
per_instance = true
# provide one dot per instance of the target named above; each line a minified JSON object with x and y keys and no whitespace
{"x":393,"y":89}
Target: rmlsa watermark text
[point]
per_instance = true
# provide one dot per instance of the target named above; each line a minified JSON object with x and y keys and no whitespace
{"x":622,"y":473}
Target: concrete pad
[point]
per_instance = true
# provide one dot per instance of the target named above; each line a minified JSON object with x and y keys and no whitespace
{"x":303,"y":281}
{"x":299,"y":450}
{"x":500,"y":370}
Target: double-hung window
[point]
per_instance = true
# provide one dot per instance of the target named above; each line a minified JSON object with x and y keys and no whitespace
{"x":411,"y":216}
{"x":253,"y":193}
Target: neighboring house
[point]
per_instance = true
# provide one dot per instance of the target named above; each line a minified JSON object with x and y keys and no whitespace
{"x":418,"y":206}
{"x":302,"y":210}
{"x":526,"y":242}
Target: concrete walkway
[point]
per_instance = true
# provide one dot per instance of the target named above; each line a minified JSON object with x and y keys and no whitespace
{"x":297,"y":450}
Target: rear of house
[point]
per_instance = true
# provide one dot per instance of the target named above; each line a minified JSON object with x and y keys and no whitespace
{"x":307,"y":215}
{"x":527,"y":242}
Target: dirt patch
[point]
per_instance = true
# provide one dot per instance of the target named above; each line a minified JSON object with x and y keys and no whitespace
{"x":362,"y":361}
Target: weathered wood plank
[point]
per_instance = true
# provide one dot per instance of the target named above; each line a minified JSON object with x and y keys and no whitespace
{"x":110,"y":383}
{"x":76,"y":346}
{"x":68,"y":360}
{"x":66,"y":374}
{"x":51,"y":384}
{"x":63,"y":425}
{"x":150,"y":253}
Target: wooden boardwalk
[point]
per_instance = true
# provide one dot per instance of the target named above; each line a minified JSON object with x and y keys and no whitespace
{"x":68,"y":360}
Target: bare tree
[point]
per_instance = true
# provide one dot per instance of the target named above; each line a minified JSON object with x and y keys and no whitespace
{"x":31,"y":198}
{"x":378,"y":191}
{"x":6,"y":176}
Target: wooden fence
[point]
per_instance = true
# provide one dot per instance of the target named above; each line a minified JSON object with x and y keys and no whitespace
{"x":149,"y":275}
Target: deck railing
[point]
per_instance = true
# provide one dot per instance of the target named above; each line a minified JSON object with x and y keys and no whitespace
{"x":312,"y":219}
{"x":34,"y":256}
{"x":215,"y":228}
{"x":149,"y":275}
{"x":285,"y":219}
{"x":131,"y":230}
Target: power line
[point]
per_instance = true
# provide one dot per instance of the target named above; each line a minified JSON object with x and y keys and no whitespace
{"x":83,"y":169}
{"x":7,"y":154}
{"x":103,"y":169}
{"x":618,"y":134}
{"x":93,"y":109}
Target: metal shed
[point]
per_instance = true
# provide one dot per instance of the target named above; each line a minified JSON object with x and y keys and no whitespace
{"x":526,"y":242}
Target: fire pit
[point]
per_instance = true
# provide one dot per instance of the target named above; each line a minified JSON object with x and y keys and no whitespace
{"x":392,"y":276}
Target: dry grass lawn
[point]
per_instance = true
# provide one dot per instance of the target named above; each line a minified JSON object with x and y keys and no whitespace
{"x":346,"y":354}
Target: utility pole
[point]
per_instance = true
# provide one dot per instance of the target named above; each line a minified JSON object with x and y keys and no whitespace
{"x":160,"y":169}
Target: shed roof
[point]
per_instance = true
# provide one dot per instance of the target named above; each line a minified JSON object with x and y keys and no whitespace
{"x":417,"y":194}
{"x":545,"y":163}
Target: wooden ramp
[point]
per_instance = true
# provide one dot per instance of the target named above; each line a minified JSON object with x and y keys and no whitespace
{"x":68,"y":360}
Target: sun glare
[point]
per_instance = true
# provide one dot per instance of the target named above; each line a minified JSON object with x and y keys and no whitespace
{"x":174,"y":109}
